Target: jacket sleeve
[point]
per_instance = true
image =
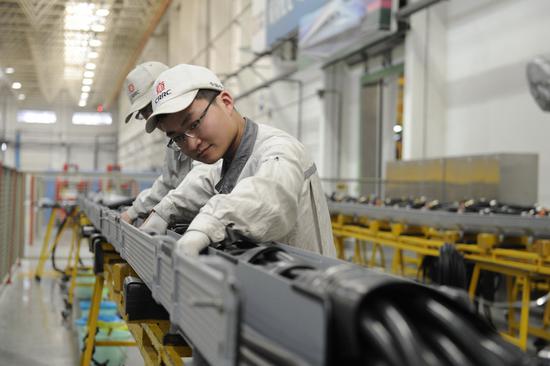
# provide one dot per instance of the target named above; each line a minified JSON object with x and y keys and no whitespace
{"x":171,"y":170}
{"x":185,"y":201}
{"x":261,"y":207}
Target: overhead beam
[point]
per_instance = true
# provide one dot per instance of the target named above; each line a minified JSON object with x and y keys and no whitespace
{"x":139,"y":49}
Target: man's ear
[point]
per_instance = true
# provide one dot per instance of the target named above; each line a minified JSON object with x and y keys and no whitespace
{"x":226,"y":100}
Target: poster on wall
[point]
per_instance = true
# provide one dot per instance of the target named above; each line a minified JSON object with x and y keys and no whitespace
{"x":283,"y":16}
{"x":342,"y":23}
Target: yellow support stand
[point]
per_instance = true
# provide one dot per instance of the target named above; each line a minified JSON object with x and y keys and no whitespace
{"x":521,"y":266}
{"x":97,"y":294}
{"x":74,"y":270}
{"x":92,"y":321}
{"x":45,"y":251}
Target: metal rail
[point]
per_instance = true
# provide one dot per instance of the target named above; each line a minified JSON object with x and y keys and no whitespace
{"x":467,"y":222}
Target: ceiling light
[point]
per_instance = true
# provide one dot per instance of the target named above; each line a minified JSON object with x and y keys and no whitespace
{"x":102,"y":12}
{"x":82,"y":103}
{"x":87,"y":81}
{"x":90,"y":66}
{"x":16,"y":85}
{"x":4,"y":146}
{"x":89,"y":74}
{"x":95,"y":43}
{"x":86,"y":88}
{"x":10,"y":70}
{"x":397,"y":128}
{"x":92,"y":55}
{"x":98,"y":28}
{"x":72,"y":73}
{"x":79,"y":16}
{"x":21,"y":97}
{"x":84,"y":96}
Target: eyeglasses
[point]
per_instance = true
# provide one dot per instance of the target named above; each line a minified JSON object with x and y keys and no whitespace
{"x":145,"y":112}
{"x":191,"y":132}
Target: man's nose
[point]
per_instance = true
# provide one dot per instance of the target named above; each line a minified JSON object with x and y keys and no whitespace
{"x":193,"y":143}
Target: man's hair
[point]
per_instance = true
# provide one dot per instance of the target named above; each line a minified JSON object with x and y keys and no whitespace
{"x":207,"y":94}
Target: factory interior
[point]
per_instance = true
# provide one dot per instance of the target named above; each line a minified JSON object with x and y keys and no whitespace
{"x":274,"y":182}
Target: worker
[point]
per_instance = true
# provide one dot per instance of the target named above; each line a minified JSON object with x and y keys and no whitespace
{"x":538,"y":75}
{"x":267,"y":187}
{"x":176,"y":165}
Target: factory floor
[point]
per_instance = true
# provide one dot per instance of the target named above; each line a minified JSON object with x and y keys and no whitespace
{"x":32,"y":329}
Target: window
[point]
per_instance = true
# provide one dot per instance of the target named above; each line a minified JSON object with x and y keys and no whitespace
{"x":92,"y":119}
{"x":34,"y":116}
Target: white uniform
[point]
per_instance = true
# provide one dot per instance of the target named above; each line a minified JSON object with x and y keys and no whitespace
{"x":175,"y":168}
{"x":270,"y":191}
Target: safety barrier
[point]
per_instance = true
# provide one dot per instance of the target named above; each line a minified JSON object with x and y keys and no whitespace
{"x":12,"y":223}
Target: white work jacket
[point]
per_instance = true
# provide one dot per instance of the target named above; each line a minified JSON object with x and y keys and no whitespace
{"x":269,"y":191}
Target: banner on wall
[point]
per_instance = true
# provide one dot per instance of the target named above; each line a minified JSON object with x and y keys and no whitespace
{"x":343,"y":23}
{"x":283,"y":16}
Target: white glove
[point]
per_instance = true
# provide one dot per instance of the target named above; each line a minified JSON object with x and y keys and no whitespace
{"x":192,"y":242}
{"x":129,"y":216}
{"x":154,"y":224}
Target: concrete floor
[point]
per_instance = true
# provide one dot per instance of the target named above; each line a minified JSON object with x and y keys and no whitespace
{"x":32,"y":330}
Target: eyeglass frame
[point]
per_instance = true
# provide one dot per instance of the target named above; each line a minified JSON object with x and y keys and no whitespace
{"x":172,"y":144}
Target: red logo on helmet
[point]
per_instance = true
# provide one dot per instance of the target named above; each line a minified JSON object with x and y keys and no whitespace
{"x":131,"y":88}
{"x":160,"y":87}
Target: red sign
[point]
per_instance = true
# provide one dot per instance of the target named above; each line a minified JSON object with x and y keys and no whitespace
{"x":160,"y":87}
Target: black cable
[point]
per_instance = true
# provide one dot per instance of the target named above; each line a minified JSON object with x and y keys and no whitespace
{"x":379,"y":341}
{"x":57,"y":235}
{"x":451,"y":269}
{"x":404,"y":339}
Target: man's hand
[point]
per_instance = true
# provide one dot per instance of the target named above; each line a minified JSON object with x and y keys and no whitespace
{"x":154,"y":224}
{"x":126,"y":218}
{"x":192,"y":242}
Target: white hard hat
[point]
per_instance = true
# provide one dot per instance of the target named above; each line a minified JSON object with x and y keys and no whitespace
{"x":138,"y":85}
{"x":176,"y":88}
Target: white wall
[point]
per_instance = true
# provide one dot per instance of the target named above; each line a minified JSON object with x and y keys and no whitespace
{"x":425,"y":84}
{"x":489,"y":105}
{"x":182,"y":37}
{"x":49,"y":147}
{"x":474,"y":54}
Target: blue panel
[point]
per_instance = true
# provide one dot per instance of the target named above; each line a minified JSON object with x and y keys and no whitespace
{"x":283,"y":16}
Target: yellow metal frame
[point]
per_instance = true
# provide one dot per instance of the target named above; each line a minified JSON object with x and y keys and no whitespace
{"x":148,"y":335}
{"x":519,"y":266}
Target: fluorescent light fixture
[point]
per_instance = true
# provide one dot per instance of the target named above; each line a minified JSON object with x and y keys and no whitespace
{"x":89,"y":74}
{"x":397,"y":128}
{"x":92,"y":119}
{"x":87,"y":81}
{"x":95,"y":43}
{"x":21,"y":97}
{"x":4,"y":146}
{"x":72,"y":73}
{"x":92,"y":55}
{"x":75,"y":55}
{"x":79,"y":16}
{"x":86,"y":88}
{"x":16,"y":85}
{"x":84,"y":96}
{"x":98,"y":28}
{"x":90,"y":66}
{"x":82,"y":103}
{"x":36,"y":116}
{"x":102,"y":12}
{"x":9,"y":70}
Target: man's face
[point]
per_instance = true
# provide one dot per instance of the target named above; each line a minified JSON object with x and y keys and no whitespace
{"x":212,"y":136}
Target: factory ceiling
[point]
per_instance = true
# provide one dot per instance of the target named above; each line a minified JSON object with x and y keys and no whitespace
{"x":79,"y":51}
